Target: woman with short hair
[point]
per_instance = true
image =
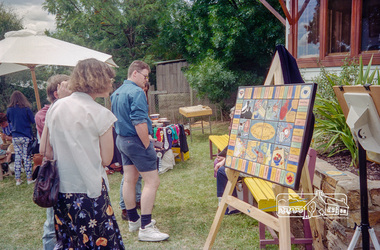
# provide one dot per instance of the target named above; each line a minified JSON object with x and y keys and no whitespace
{"x":78,"y":135}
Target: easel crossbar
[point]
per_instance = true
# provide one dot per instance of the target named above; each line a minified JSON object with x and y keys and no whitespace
{"x":254,"y":212}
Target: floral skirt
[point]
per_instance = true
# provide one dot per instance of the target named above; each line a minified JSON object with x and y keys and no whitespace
{"x":86,"y":223}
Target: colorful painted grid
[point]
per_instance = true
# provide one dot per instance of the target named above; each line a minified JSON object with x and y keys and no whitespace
{"x":268,"y":132}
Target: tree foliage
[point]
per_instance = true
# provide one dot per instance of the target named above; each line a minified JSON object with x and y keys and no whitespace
{"x":125,"y":29}
{"x":228,"y":43}
{"x":9,"y":21}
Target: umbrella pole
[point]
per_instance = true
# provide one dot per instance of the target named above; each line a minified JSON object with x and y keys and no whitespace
{"x":32,"y":67}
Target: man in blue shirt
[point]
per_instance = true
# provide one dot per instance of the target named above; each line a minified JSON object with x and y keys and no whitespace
{"x":134,"y":129}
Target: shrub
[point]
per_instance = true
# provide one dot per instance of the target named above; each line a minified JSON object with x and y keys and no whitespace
{"x":331,"y":133}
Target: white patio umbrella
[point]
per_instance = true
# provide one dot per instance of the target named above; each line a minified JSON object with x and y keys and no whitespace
{"x":27,"y":49}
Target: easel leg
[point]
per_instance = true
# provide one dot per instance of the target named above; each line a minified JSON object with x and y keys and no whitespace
{"x":284,"y":221}
{"x":232,"y":179}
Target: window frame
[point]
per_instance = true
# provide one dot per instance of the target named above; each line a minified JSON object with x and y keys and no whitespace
{"x":333,"y":59}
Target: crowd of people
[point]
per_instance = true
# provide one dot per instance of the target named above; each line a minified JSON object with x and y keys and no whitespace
{"x":79,"y":134}
{"x":84,"y":137}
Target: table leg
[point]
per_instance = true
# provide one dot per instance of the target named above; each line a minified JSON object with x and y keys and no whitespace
{"x":202,"y":127}
{"x":191,"y":133}
{"x":209,"y":122}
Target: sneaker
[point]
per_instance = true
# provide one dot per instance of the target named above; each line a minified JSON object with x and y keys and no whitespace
{"x":134,"y":226}
{"x":18,"y":182}
{"x":151,"y":233}
{"x":31,"y":181}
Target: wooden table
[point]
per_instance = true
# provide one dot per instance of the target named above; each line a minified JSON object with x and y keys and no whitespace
{"x":196,"y":111}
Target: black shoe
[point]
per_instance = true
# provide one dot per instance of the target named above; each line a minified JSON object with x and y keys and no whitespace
{"x":124,"y":214}
{"x":5,"y":167}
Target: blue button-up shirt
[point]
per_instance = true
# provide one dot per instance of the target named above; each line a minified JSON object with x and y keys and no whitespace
{"x":130,"y":107}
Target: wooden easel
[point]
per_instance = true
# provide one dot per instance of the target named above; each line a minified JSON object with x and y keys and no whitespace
{"x":280,"y":224}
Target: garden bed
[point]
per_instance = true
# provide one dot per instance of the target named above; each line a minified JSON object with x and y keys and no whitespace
{"x":342,"y":162}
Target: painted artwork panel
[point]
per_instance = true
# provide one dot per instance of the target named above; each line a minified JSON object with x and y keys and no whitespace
{"x":247,"y":109}
{"x":284,"y":133}
{"x":243,"y":128}
{"x":259,"y":109}
{"x":273,"y":110}
{"x":269,"y":132}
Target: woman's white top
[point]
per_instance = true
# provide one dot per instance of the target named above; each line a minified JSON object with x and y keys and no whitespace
{"x":75,"y":124}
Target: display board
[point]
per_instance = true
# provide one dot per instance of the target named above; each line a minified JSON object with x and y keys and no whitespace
{"x":269,"y":131}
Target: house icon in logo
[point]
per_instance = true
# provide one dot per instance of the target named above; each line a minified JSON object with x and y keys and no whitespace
{"x":322,"y":205}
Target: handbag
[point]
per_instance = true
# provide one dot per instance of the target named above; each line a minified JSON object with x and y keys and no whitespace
{"x":33,"y":146}
{"x":46,"y":187}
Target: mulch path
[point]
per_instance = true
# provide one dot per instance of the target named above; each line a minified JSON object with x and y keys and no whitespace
{"x":342,"y":162}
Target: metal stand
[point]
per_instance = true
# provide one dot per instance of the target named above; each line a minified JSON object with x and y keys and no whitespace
{"x":364,"y":227}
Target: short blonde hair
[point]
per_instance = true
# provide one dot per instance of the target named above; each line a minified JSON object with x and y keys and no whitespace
{"x":91,"y":76}
{"x":138,"y":66}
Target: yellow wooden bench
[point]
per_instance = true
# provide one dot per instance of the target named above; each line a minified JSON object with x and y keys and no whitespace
{"x":262,"y":192}
{"x":265,"y":198}
{"x":220,"y":141}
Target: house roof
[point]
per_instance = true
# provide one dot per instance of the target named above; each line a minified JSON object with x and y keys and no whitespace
{"x":170,"y":61}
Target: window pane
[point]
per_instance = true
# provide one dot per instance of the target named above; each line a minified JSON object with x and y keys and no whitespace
{"x":339,"y":26}
{"x":371,"y":25}
{"x":308,"y":29}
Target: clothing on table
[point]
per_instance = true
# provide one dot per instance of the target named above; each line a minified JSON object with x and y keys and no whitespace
{"x":79,"y":167}
{"x":87,"y":213}
{"x":172,"y":135}
{"x":130,"y":99}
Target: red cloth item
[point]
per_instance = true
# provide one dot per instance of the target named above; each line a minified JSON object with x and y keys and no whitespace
{"x":40,"y":119}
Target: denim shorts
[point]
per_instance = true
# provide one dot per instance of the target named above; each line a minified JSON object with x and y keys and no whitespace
{"x":133,"y":152}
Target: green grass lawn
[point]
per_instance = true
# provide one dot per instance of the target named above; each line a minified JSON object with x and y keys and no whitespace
{"x":185,"y":208}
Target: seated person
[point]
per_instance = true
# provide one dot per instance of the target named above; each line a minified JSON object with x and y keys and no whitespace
{"x":221,"y":176}
{"x":6,"y":129}
{"x":221,"y":180}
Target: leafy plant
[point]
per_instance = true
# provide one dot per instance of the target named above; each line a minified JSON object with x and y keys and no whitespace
{"x":331,"y":133}
{"x":227,"y":43}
